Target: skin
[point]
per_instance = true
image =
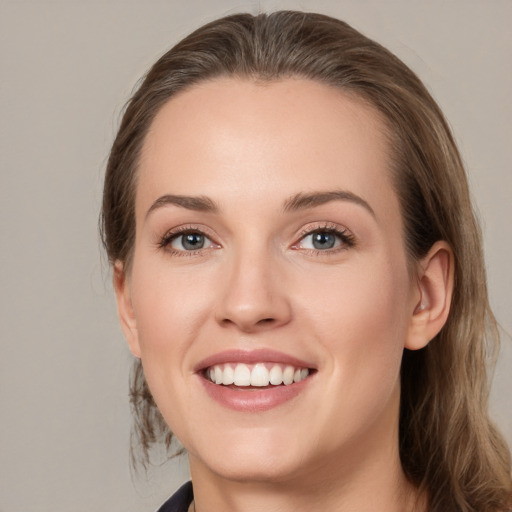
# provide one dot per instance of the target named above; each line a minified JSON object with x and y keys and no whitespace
{"x":258,"y":283}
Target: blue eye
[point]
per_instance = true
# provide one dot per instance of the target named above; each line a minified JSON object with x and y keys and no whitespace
{"x":325,"y":240}
{"x":189,"y":241}
{"x":320,"y":241}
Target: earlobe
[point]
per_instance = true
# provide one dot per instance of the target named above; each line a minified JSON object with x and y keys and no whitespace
{"x":125,"y":308}
{"x":435,"y":285}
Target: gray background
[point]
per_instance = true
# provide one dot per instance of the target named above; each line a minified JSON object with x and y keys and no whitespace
{"x":66,"y":69}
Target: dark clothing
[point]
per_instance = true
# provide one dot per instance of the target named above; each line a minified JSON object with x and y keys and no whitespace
{"x":180,"y":500}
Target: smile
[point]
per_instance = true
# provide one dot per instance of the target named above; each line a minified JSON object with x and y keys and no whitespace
{"x":254,"y":381}
{"x":255,"y":375}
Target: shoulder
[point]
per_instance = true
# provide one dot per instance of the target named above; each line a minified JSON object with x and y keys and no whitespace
{"x":180,"y":500}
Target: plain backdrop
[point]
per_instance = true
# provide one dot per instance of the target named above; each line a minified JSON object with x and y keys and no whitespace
{"x":67,"y":67}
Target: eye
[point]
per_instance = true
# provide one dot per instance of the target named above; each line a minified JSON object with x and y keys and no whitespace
{"x":190,"y":241}
{"x":186,"y":241}
{"x":325,"y":239}
{"x":320,"y":240}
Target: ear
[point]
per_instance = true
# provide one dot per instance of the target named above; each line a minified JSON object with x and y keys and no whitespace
{"x":125,"y":308}
{"x":435,"y":286}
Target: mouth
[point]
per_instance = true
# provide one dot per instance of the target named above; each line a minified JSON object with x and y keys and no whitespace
{"x":254,"y":381}
{"x":258,"y":375}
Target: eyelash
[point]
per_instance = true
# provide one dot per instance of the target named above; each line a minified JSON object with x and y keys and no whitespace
{"x":346,"y":238}
{"x":166,"y":241}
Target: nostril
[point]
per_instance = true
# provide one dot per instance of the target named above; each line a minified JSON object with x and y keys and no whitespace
{"x":249,"y":324}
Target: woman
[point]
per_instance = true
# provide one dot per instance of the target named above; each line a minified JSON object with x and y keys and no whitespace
{"x":299,"y":275}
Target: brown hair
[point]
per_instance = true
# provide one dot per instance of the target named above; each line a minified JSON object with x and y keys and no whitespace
{"x":448,"y":446}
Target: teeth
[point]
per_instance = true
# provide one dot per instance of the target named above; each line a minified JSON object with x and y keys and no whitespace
{"x":257,"y":375}
{"x":242,"y":375}
{"x":228,"y":376}
{"x":276,"y":375}
{"x":218,"y":375}
{"x":288,"y":375}
{"x":260,"y":376}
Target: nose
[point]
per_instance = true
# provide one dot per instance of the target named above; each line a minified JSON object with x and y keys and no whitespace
{"x":254,"y":296}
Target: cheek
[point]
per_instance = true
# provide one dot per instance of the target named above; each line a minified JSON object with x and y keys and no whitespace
{"x":169,"y":306}
{"x":362,"y":322}
{"x":169,"y":309}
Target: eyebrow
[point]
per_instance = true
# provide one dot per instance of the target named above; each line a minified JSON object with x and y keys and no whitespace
{"x":303,"y":201}
{"x":196,"y":203}
{"x":297,"y":202}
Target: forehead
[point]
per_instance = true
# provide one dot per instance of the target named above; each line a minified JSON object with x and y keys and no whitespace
{"x":276,"y":138}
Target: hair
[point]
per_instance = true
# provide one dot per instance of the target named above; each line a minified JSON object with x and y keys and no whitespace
{"x":448,"y":446}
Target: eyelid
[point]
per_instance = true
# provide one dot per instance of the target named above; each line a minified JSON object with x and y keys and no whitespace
{"x":164,"y":242}
{"x":346,"y":237}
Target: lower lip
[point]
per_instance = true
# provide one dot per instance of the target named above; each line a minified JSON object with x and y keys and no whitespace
{"x":253,"y":399}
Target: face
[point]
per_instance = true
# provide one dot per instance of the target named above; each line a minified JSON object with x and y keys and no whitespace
{"x":269,"y":297}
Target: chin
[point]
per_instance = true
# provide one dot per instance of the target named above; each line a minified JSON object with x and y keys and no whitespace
{"x":258,"y":469}
{"x":251,"y":457}
{"x":263,"y":458}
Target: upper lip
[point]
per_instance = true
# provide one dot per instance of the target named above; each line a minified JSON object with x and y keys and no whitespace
{"x":251,"y":357}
